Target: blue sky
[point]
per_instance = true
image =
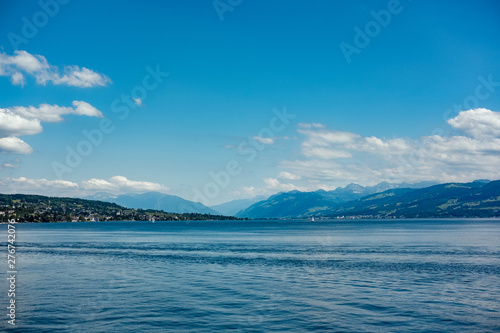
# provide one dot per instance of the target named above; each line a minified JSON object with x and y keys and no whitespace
{"x":213,"y":129}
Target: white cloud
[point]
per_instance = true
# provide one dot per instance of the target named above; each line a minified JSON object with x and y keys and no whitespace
{"x":18,"y":79}
{"x":22,"y":62}
{"x":37,"y":186}
{"x":138,"y":101}
{"x":328,"y":144}
{"x":77,"y":77}
{"x":263,"y":140}
{"x":114,"y":185}
{"x":325,"y":138}
{"x":288,"y":175}
{"x":322,"y":172}
{"x":120,"y":184}
{"x":274,"y":185}
{"x":54,"y":113}
{"x":13,"y":124}
{"x":14,"y":145}
{"x":137,"y":186}
{"x":19,"y":120}
{"x":478,"y":123}
{"x":85,"y":109}
{"x":325,"y":153}
{"x":10,"y":165}
{"x":344,"y":157}
{"x":95,"y":184}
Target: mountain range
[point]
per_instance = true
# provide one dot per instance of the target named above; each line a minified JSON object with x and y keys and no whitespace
{"x":475,"y":199}
{"x":480,"y":198}
{"x":296,"y":203}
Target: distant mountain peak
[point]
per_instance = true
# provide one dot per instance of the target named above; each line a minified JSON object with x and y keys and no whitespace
{"x":482,"y":181}
{"x":355,"y":188}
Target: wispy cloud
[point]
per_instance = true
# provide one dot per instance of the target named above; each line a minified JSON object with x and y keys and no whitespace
{"x":19,"y":120}
{"x":138,"y":101}
{"x":23,"y":64}
{"x":288,"y":176}
{"x":311,"y":125}
{"x":271,"y":186}
{"x":478,"y":123}
{"x":264,"y":140}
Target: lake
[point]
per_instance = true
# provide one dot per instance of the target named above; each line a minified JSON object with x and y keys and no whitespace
{"x":257,"y":276}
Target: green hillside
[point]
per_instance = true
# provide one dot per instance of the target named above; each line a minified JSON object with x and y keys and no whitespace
{"x":474,"y":199}
{"x":36,"y":208}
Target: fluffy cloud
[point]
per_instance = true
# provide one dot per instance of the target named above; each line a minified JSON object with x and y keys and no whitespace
{"x":14,"y":145}
{"x":38,"y":186}
{"x":13,"y":124}
{"x":120,"y":184}
{"x":478,"y":123}
{"x":19,"y":120}
{"x":328,"y":144}
{"x":114,"y":185}
{"x":275,"y":185}
{"x":23,"y":63}
{"x":53,"y":113}
{"x":335,"y":157}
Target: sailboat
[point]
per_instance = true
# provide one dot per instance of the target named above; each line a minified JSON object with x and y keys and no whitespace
{"x":312,"y":219}
{"x":152,"y":219}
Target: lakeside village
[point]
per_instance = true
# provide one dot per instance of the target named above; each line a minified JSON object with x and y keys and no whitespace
{"x":33,"y":208}
{"x":24,"y":213}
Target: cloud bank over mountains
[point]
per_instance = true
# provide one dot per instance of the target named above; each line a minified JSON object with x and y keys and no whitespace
{"x":333,"y":158}
{"x":344,"y":157}
{"x":115,"y":185}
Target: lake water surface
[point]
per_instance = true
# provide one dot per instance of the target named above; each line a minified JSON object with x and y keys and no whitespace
{"x":257,"y":276}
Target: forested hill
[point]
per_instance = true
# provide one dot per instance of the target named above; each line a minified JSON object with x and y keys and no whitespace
{"x":451,"y":200}
{"x":37,"y":208}
{"x":480,"y":198}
